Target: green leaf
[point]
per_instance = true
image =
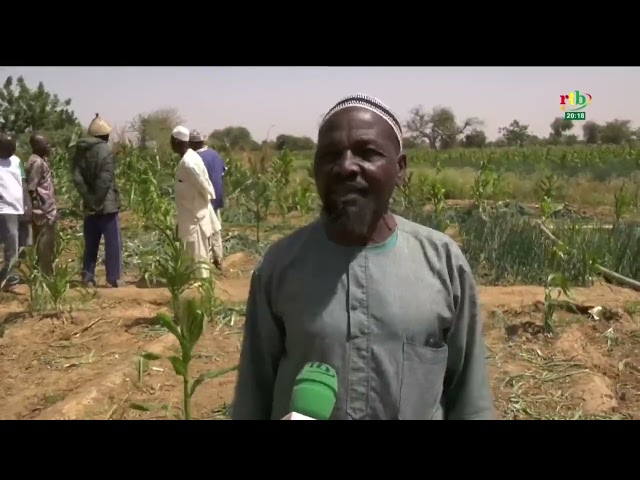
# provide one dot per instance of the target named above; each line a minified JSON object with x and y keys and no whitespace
{"x":167,"y":322}
{"x":140,"y":407}
{"x":178,"y":366}
{"x":151,"y":356}
{"x":194,"y":322}
{"x":210,"y":375}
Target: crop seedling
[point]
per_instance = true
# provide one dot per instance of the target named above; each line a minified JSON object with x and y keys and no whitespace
{"x":304,"y":197}
{"x":30,"y":274}
{"x":214,"y":309}
{"x":58,"y":282}
{"x":175,"y":267}
{"x":143,"y":254}
{"x":622,"y":204}
{"x":187,"y":326}
{"x":259,"y":194}
{"x":437,"y":197}
{"x":554,"y":281}
{"x":280,"y":171}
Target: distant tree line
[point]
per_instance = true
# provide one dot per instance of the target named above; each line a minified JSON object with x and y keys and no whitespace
{"x":24,"y":110}
{"x":438,"y":129}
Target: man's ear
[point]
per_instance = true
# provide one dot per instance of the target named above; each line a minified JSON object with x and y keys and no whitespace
{"x":314,"y":170}
{"x":401,"y":162}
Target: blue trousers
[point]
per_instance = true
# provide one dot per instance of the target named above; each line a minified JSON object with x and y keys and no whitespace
{"x":95,"y":227}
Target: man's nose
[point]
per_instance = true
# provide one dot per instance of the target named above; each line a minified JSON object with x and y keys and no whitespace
{"x":347,"y":166}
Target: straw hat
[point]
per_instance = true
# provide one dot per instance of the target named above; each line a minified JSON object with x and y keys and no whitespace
{"x":99,"y":127}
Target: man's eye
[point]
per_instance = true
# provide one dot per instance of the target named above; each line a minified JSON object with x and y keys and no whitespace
{"x":328,"y":156}
{"x":369,"y":153}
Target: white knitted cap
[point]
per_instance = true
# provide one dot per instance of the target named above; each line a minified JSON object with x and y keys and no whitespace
{"x":181,"y":133}
{"x":370,"y":103}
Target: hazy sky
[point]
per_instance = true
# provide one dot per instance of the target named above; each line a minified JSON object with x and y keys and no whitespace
{"x":293,"y":98}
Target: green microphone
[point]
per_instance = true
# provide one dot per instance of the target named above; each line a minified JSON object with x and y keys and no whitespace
{"x":315,"y":391}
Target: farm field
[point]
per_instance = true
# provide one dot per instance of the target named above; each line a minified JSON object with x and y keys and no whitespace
{"x":72,"y":353}
{"x":87,"y":369}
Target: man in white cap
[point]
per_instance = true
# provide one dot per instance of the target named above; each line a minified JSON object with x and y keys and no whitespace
{"x":215,"y":169}
{"x":390,"y":304}
{"x":197,"y":221}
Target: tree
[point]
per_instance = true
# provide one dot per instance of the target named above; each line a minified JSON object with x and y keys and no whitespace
{"x":233,"y":138}
{"x":591,"y":132}
{"x":559,"y":126}
{"x":475,"y":139}
{"x":25,"y":110}
{"x":408,"y":143}
{"x":616,"y":132}
{"x":570,"y":139}
{"x":534,"y":140}
{"x":293,"y":143}
{"x":156,"y":127}
{"x":438,"y":127}
{"x":516,"y":134}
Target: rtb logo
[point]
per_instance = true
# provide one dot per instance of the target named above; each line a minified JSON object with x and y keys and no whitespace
{"x":575,"y":101}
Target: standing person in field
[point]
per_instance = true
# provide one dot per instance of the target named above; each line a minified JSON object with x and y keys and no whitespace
{"x":42,"y":196}
{"x":11,"y":208}
{"x":197,"y":221}
{"x":94,"y":176}
{"x":215,"y":168}
{"x":25,"y":230}
{"x":390,"y":304}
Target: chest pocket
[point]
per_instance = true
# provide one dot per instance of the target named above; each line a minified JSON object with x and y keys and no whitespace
{"x":422,"y":379}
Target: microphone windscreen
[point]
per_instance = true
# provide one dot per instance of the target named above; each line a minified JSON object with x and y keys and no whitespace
{"x":315,"y":391}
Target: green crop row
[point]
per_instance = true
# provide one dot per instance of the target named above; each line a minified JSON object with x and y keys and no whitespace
{"x":602,"y":162}
{"x":500,"y":248}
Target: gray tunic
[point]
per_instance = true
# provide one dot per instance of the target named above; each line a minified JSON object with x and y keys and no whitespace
{"x":399,"y":322}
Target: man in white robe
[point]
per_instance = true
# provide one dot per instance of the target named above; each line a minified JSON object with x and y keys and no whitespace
{"x":196,"y":219}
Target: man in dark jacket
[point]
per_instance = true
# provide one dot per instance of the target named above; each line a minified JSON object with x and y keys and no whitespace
{"x":94,"y":168}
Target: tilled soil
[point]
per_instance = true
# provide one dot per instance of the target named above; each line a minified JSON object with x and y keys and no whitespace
{"x":86,"y":365}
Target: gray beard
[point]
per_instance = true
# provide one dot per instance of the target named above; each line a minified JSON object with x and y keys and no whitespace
{"x":352,"y":219}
